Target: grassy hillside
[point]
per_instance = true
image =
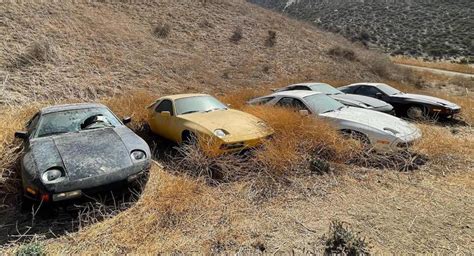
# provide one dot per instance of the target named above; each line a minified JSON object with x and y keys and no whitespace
{"x":279,"y":198}
{"x":88,"y":50}
{"x":439,"y":29}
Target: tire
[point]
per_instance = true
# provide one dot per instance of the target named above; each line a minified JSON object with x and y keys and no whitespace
{"x":416,"y":112}
{"x":355,"y":135}
{"x":188,"y":138}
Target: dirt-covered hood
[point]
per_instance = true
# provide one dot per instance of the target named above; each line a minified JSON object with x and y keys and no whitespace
{"x":232,"y":121}
{"x":373,"y":119}
{"x":82,"y":155}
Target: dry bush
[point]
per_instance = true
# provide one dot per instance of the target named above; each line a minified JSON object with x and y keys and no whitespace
{"x":133,"y":105}
{"x":162,"y":30}
{"x":40,"y":51}
{"x":341,"y":52}
{"x":13,"y":119}
{"x":237,"y":35}
{"x":440,"y":144}
{"x":271,"y":38}
{"x":296,"y":143}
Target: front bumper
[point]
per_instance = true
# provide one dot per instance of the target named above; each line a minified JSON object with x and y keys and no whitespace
{"x":67,"y":190}
{"x":446,"y":111}
{"x":240,"y":143}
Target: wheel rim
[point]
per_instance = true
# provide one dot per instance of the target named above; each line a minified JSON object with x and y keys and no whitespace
{"x":415,"y":112}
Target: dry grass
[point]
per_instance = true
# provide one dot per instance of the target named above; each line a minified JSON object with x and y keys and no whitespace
{"x":444,"y":65}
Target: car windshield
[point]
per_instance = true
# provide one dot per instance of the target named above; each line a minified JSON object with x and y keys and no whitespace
{"x":325,"y":88}
{"x":198,"y":104}
{"x":321,"y":103}
{"x":387,"y":89}
{"x":75,"y":120}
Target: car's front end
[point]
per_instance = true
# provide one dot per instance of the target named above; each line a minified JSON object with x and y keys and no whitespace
{"x":65,"y":167}
{"x":225,"y":131}
{"x":384,"y":132}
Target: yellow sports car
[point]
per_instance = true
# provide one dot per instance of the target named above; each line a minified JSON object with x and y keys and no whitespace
{"x":182,"y":117}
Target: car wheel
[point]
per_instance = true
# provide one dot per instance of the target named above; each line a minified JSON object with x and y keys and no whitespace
{"x":416,"y":112}
{"x":189,"y":138}
{"x":362,"y":138}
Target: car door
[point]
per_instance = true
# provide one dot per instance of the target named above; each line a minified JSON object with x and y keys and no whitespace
{"x":163,"y":120}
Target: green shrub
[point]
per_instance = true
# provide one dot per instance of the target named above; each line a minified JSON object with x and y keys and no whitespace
{"x":342,"y":241}
{"x":31,"y":249}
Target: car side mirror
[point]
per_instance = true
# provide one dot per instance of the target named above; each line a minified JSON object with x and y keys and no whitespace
{"x":165,"y":114}
{"x":21,"y":135}
{"x":126,"y":120}
{"x":304,"y":112}
{"x":378,"y":95}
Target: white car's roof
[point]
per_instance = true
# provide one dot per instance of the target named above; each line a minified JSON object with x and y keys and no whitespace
{"x":370,"y":84}
{"x":295,"y":93}
{"x":306,"y":84}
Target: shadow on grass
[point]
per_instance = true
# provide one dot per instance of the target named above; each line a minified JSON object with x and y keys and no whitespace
{"x":22,"y":220}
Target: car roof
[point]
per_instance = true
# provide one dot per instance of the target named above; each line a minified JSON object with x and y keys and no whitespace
{"x":74,"y":106}
{"x":308,"y":84}
{"x":369,"y":84}
{"x":295,"y":93}
{"x":180,"y":96}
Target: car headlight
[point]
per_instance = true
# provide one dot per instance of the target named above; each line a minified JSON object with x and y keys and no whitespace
{"x":138,"y":155}
{"x":52,"y":176}
{"x":262,"y":124}
{"x":220,"y":133}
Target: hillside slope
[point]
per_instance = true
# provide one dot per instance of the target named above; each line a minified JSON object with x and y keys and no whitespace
{"x":87,"y":50}
{"x":436,"y":28}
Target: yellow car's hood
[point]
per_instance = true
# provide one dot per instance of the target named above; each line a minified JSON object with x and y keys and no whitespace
{"x":236,"y":123}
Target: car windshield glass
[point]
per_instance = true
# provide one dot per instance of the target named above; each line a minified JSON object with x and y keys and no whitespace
{"x":387,"y":89}
{"x":321,"y":103}
{"x":198,"y":104}
{"x":325,"y":88}
{"x":75,"y":120}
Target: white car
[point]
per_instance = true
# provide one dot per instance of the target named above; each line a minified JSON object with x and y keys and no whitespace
{"x":381,"y":131}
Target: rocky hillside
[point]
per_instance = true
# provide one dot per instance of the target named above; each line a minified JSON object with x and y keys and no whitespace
{"x":88,"y":50}
{"x":437,"y":28}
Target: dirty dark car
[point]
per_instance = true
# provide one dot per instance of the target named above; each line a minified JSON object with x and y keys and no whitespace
{"x":71,"y":150}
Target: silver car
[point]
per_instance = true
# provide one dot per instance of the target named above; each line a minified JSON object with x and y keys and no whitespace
{"x":381,"y":131}
{"x":352,"y":100}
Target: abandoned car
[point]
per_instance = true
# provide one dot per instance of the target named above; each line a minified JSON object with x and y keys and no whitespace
{"x":185,"y":117}
{"x":376,"y":130}
{"x":77,"y":149}
{"x":414,"y":106}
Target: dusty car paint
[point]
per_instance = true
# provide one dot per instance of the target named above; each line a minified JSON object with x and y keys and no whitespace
{"x":244,"y":130}
{"x":88,"y":158}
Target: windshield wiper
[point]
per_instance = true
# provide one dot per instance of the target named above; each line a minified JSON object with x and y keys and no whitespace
{"x":212,"y":109}
{"x":52,"y":133}
{"x":189,"y":112}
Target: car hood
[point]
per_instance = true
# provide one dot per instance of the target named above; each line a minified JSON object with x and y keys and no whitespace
{"x":426,"y":99}
{"x":83,"y":155}
{"x":357,"y":99}
{"x":233,"y":121}
{"x":377,"y":120}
